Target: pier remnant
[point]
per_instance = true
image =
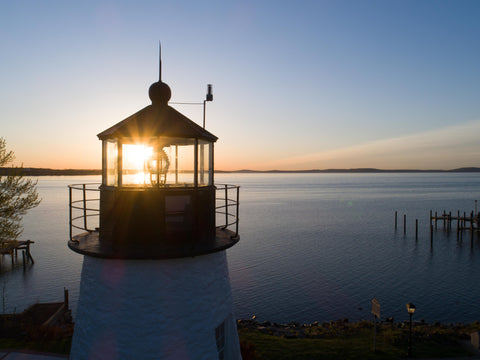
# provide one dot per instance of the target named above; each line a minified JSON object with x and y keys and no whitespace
{"x":11,"y":247}
{"x":464,"y":223}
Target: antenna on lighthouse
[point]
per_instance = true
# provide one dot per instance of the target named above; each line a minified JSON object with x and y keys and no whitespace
{"x":209,"y":97}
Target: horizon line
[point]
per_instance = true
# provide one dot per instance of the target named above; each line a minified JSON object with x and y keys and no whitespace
{"x":50,"y":171}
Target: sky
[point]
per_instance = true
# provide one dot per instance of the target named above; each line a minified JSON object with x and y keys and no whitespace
{"x":297,"y":84}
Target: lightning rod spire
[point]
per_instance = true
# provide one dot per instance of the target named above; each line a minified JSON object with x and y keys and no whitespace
{"x":159,"y":61}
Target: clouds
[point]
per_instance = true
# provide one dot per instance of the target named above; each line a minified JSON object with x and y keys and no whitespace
{"x":444,"y":148}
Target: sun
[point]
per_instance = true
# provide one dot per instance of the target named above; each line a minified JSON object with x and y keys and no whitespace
{"x":135,"y":160}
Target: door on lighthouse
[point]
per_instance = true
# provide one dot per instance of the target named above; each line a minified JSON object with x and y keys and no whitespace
{"x":178,"y":215}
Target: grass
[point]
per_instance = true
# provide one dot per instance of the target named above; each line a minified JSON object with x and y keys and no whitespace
{"x":357,"y":347}
{"x":354,"y":341}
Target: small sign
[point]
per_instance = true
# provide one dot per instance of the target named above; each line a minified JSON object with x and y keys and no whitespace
{"x":375,"y":307}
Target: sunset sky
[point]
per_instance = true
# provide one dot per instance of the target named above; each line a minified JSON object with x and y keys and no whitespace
{"x":296,"y":84}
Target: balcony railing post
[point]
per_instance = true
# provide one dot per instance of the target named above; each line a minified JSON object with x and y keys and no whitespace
{"x":70,"y":209}
{"x":226,"y":206}
{"x":236,"y":211}
{"x":84,"y":207}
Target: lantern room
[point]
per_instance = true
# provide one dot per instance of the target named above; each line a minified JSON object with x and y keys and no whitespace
{"x":157,"y":196}
{"x":157,"y":147}
{"x":157,"y":162}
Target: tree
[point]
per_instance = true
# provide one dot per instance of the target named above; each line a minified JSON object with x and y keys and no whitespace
{"x":17,"y":195}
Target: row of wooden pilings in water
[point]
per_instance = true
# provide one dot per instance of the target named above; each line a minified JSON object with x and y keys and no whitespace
{"x":464,"y":223}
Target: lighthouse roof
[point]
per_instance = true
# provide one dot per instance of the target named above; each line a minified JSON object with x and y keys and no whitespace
{"x":154,"y":120}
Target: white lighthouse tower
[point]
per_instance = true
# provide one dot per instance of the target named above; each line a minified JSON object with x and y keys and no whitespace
{"x":155,"y":281}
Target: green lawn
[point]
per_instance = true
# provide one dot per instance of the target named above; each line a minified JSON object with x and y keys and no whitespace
{"x":356,"y":343}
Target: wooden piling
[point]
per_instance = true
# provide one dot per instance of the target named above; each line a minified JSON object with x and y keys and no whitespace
{"x":65,"y":297}
{"x":416,"y":229}
{"x":465,"y":223}
{"x":458,"y":221}
{"x":395,"y":220}
{"x":471,"y":229}
{"x":29,"y":255}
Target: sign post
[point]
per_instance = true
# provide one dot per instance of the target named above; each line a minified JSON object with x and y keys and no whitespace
{"x":376,"y":313}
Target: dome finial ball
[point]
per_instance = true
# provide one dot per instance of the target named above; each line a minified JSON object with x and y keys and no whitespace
{"x":159,"y":93}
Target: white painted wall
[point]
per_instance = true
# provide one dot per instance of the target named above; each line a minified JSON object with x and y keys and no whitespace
{"x":154,"y":309}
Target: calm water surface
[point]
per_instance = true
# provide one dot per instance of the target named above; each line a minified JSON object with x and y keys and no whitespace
{"x":314,"y":247}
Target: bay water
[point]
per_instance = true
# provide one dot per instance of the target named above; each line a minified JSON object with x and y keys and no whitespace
{"x":313,"y":247}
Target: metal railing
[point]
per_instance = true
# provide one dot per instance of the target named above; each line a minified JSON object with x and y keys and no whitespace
{"x":81,"y":209}
{"x":227,"y":206}
{"x":84,"y":207}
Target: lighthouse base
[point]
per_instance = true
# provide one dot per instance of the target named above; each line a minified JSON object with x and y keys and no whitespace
{"x":155,"y":309}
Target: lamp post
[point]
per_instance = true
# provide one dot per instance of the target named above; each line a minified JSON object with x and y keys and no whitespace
{"x":411,"y":311}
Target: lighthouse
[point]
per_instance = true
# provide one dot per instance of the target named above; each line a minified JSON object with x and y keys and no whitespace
{"x":154,"y":281}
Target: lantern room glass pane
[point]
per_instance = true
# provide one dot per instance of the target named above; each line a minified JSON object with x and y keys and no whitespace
{"x":184,"y":170}
{"x":158,"y":165}
{"x":204,"y":163}
{"x":111,"y":163}
{"x":137,"y":163}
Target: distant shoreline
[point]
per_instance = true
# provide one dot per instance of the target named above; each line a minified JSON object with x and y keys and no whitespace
{"x":85,"y":172}
{"x":357,"y":170}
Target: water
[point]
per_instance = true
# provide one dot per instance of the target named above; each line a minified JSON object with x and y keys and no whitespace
{"x":314,"y":247}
